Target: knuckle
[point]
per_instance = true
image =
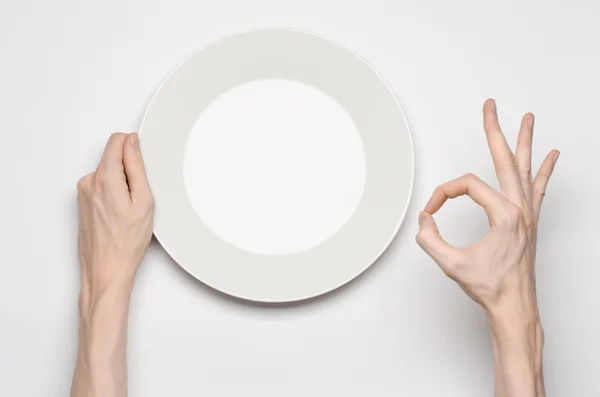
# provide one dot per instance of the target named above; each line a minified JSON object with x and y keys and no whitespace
{"x":526,"y":175}
{"x":150,"y":203}
{"x":525,"y":140}
{"x":84,"y":183}
{"x":471,"y":177}
{"x":438,"y":190}
{"x":81,"y":185}
{"x":100,"y":179}
{"x":515,"y":211}
{"x":511,"y":217}
{"x":146,"y":202}
{"x":101,"y":173}
{"x":516,"y":216}
{"x":449,"y":267}
{"x":421,"y":238}
{"x":117,"y":135}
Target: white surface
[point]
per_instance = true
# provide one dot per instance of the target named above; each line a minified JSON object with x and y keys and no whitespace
{"x":72,"y":72}
{"x":327,"y":66}
{"x":258,"y":169}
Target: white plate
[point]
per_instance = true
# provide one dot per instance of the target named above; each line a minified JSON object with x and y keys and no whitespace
{"x":318,"y":62}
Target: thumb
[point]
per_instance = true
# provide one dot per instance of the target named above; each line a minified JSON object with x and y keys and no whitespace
{"x":430,"y":240}
{"x":134,"y":167}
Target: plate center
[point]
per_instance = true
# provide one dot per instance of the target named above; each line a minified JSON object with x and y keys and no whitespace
{"x":274,"y":167}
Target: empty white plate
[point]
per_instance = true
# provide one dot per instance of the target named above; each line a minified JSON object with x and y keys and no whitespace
{"x":281,"y":165}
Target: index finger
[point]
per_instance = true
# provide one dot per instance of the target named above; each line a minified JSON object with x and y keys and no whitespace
{"x":113,"y":153}
{"x":135,"y":169}
{"x":472,"y":186}
{"x":504,"y":160}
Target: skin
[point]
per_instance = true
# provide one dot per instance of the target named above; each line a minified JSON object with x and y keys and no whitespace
{"x":116,"y":209}
{"x":499,"y":272}
{"x":115,"y":227}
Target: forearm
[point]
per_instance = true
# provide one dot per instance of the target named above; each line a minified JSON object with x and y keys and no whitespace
{"x":517,"y":339}
{"x":116,"y":212}
{"x":101,"y":369}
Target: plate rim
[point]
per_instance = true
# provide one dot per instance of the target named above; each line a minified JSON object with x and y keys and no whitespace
{"x":401,"y":218}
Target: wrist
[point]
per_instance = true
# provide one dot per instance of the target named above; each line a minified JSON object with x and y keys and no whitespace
{"x":515,"y":314}
{"x":107,"y":301}
{"x":515,"y":332}
{"x":101,"y":358}
{"x":517,"y":341}
{"x":517,"y":297}
{"x":103,"y":326}
{"x":515,"y":321}
{"x":111,"y":289}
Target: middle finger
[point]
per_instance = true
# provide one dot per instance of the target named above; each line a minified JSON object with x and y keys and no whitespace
{"x":523,"y":153}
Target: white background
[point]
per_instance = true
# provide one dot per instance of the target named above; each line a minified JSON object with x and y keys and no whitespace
{"x":74,"y":71}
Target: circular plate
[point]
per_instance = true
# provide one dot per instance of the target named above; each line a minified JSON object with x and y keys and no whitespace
{"x":306,"y":58}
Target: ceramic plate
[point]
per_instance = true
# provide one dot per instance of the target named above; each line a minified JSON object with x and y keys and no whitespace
{"x":301,"y":57}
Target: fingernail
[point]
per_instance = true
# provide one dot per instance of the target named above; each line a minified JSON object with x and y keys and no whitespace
{"x":531,"y":121}
{"x":134,"y":141}
{"x":555,"y":156}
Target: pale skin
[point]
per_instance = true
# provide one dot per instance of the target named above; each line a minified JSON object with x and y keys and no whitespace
{"x":116,"y":210}
{"x":499,"y":271}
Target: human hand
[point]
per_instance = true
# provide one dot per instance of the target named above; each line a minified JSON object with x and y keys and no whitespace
{"x":499,"y":271}
{"x":115,"y":227}
{"x":500,"y":268}
{"x":116,"y":210}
